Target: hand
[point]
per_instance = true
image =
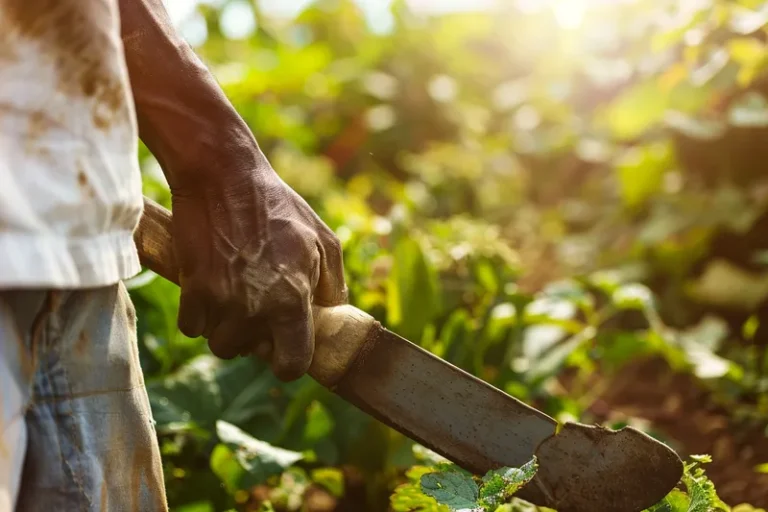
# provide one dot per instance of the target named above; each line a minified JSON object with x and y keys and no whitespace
{"x":254,"y":257}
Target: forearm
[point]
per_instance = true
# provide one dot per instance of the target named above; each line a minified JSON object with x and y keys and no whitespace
{"x":184,"y":117}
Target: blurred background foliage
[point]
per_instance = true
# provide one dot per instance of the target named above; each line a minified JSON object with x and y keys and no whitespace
{"x":566,"y":198}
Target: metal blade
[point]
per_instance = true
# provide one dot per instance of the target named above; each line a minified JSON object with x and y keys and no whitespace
{"x":471,"y":423}
{"x":446,"y":409}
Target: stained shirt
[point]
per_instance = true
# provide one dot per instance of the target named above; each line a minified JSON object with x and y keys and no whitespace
{"x":70,"y":184}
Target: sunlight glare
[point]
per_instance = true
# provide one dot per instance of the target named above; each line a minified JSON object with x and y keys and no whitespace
{"x":570,"y":13}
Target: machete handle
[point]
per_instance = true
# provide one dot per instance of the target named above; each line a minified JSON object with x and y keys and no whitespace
{"x":340,"y":331}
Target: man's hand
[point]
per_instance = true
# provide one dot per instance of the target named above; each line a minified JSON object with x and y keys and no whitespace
{"x":254,"y":257}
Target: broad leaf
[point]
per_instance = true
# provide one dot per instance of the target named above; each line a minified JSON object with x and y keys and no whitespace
{"x":207,"y":389}
{"x":256,"y":459}
{"x":675,"y":501}
{"x":499,"y":485}
{"x":701,"y":491}
{"x":332,"y":479}
{"x":456,"y":490}
{"x":412,"y":294}
{"x":409,"y":498}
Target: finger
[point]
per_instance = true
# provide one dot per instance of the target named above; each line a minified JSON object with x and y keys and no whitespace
{"x":331,"y":288}
{"x":193,"y":318}
{"x":294,"y":343}
{"x":264,"y":349}
{"x":230,"y":337}
{"x":259,"y":339}
{"x":261,"y":349}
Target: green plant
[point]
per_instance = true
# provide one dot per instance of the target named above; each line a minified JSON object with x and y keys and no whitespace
{"x":447,"y":487}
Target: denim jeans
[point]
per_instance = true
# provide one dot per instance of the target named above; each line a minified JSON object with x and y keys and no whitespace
{"x":76,"y":429}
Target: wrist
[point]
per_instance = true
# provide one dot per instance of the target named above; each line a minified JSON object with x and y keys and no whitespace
{"x":198,"y":137}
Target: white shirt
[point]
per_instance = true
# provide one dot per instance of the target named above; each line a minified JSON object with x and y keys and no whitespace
{"x":70,"y":185}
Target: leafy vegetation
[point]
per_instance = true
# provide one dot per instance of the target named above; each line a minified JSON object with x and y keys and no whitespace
{"x":450,"y":489}
{"x":564,"y":198}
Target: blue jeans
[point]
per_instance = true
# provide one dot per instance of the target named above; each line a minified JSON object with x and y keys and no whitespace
{"x":76,"y":429}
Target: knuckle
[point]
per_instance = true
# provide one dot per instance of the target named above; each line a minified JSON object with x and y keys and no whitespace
{"x":332,"y":245}
{"x":290,"y":299}
{"x":281,"y":224}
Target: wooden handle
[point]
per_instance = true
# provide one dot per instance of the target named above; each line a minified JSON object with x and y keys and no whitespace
{"x":340,"y":331}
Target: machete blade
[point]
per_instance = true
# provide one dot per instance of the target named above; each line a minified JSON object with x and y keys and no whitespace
{"x":440,"y":405}
{"x":479,"y":428}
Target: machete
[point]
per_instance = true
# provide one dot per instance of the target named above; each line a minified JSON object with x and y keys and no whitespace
{"x":582,"y":468}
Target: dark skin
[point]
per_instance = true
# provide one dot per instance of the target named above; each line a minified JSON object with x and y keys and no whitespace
{"x":254,"y":256}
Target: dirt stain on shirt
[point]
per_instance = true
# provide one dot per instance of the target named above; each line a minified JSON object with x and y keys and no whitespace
{"x":37,"y":125}
{"x":78,"y":36}
{"x":83,"y":183}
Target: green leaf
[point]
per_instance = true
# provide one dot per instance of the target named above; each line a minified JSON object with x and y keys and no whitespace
{"x":745,"y":507}
{"x":139,"y":281}
{"x":456,"y":490}
{"x":319,"y":423}
{"x":703,"y":459}
{"x":499,"y":485}
{"x":409,"y":498}
{"x":516,"y":478}
{"x":675,"y":501}
{"x":241,"y":392}
{"x":331,"y":479}
{"x":428,"y":456}
{"x":266,"y":507}
{"x":501,"y":317}
{"x":701,"y":343}
{"x":412,"y":291}
{"x":486,"y":276}
{"x":547,"y":314}
{"x":750,"y":327}
{"x":633,"y":296}
{"x":225,"y":465}
{"x":553,"y":360}
{"x":190,"y":394}
{"x":492,"y":493}
{"x":636,"y":110}
{"x":453,"y":335}
{"x":289,"y":494}
{"x":571,"y":291}
{"x":258,"y":460}
{"x":641,"y":171}
{"x":198,"y":506}
{"x":708,"y":365}
{"x":700,"y":489}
